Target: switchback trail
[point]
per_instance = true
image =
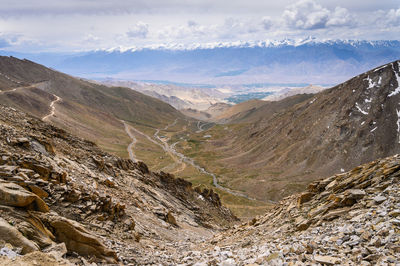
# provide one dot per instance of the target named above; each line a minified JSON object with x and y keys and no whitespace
{"x":201,"y":126}
{"x":132,"y":144}
{"x":22,"y":87}
{"x":52,"y":108}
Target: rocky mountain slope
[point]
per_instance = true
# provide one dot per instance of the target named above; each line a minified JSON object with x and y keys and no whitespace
{"x":61,"y":194}
{"x":346,"y":219}
{"x":180,"y":97}
{"x":332,"y":131}
{"x":254,"y":110}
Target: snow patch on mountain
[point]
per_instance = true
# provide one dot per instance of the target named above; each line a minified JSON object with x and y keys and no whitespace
{"x":361,"y":110}
{"x":397,"y":90}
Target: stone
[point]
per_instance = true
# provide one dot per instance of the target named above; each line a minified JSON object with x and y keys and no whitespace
{"x":304,"y":197}
{"x":57,"y":249}
{"x":302,"y":224}
{"x":33,"y":229}
{"x":351,"y":196}
{"x":38,"y":191}
{"x":366,"y":236}
{"x":171,"y":219}
{"x":326,"y":260}
{"x":331,"y":185}
{"x":394,"y":213}
{"x":23,"y":142}
{"x":11,"y":235}
{"x":16,"y":179}
{"x":72,"y":195}
{"x":376,"y":241}
{"x":109,"y":182}
{"x":14,"y":195}
{"x":130,"y":224}
{"x":372,"y":257}
{"x":77,"y":239}
{"x":395,"y":222}
{"x":335,"y":214}
{"x":379,"y":199}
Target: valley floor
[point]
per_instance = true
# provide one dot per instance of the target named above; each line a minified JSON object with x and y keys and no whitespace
{"x":159,"y":147}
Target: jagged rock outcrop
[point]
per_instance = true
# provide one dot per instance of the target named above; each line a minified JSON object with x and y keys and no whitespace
{"x":11,"y":235}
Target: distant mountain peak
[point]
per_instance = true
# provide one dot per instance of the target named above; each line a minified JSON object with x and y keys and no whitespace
{"x":310,"y":40}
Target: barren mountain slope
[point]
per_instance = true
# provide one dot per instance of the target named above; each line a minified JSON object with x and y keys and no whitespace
{"x":57,"y":188}
{"x":333,"y":131}
{"x":89,"y":110}
{"x":254,"y":110}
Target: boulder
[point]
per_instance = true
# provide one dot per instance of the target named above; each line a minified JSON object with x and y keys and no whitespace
{"x":326,"y":260}
{"x":11,"y":235}
{"x":304,"y":197}
{"x":351,"y":196}
{"x":77,"y":239}
{"x":14,"y":195}
{"x":379,"y":199}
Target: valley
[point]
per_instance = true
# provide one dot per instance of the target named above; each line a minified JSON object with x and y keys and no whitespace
{"x":141,"y":183}
{"x":168,"y":139}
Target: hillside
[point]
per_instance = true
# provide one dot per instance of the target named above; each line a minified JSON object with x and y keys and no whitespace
{"x":254,"y":110}
{"x":61,"y":194}
{"x":65,"y":201}
{"x":290,"y":146}
{"x":90,"y":110}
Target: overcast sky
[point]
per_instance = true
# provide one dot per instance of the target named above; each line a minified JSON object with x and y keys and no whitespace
{"x":80,"y":25}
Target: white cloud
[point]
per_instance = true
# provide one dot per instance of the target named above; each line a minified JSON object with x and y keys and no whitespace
{"x":393,"y":17}
{"x":309,"y":15}
{"x":140,"y":30}
{"x":112,"y":23}
{"x":191,"y":30}
{"x":340,"y":17}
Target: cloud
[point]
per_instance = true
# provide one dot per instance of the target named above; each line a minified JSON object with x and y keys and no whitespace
{"x":309,"y":15}
{"x":140,"y":30}
{"x":393,"y":17}
{"x":191,"y":30}
{"x":267,"y":22}
{"x":91,"y":38}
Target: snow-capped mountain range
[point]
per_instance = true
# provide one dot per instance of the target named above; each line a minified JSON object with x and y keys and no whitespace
{"x":251,"y":44}
{"x":306,"y":61}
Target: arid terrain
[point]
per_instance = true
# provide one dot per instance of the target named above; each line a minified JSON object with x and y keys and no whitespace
{"x":90,"y":173}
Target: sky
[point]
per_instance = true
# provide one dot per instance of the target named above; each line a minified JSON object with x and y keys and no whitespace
{"x":83,"y":25}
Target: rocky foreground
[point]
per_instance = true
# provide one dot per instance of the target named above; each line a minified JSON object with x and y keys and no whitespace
{"x":347,"y":219}
{"x":63,"y":200}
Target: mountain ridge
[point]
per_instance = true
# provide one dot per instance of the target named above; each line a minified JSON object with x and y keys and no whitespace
{"x":332,"y":131}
